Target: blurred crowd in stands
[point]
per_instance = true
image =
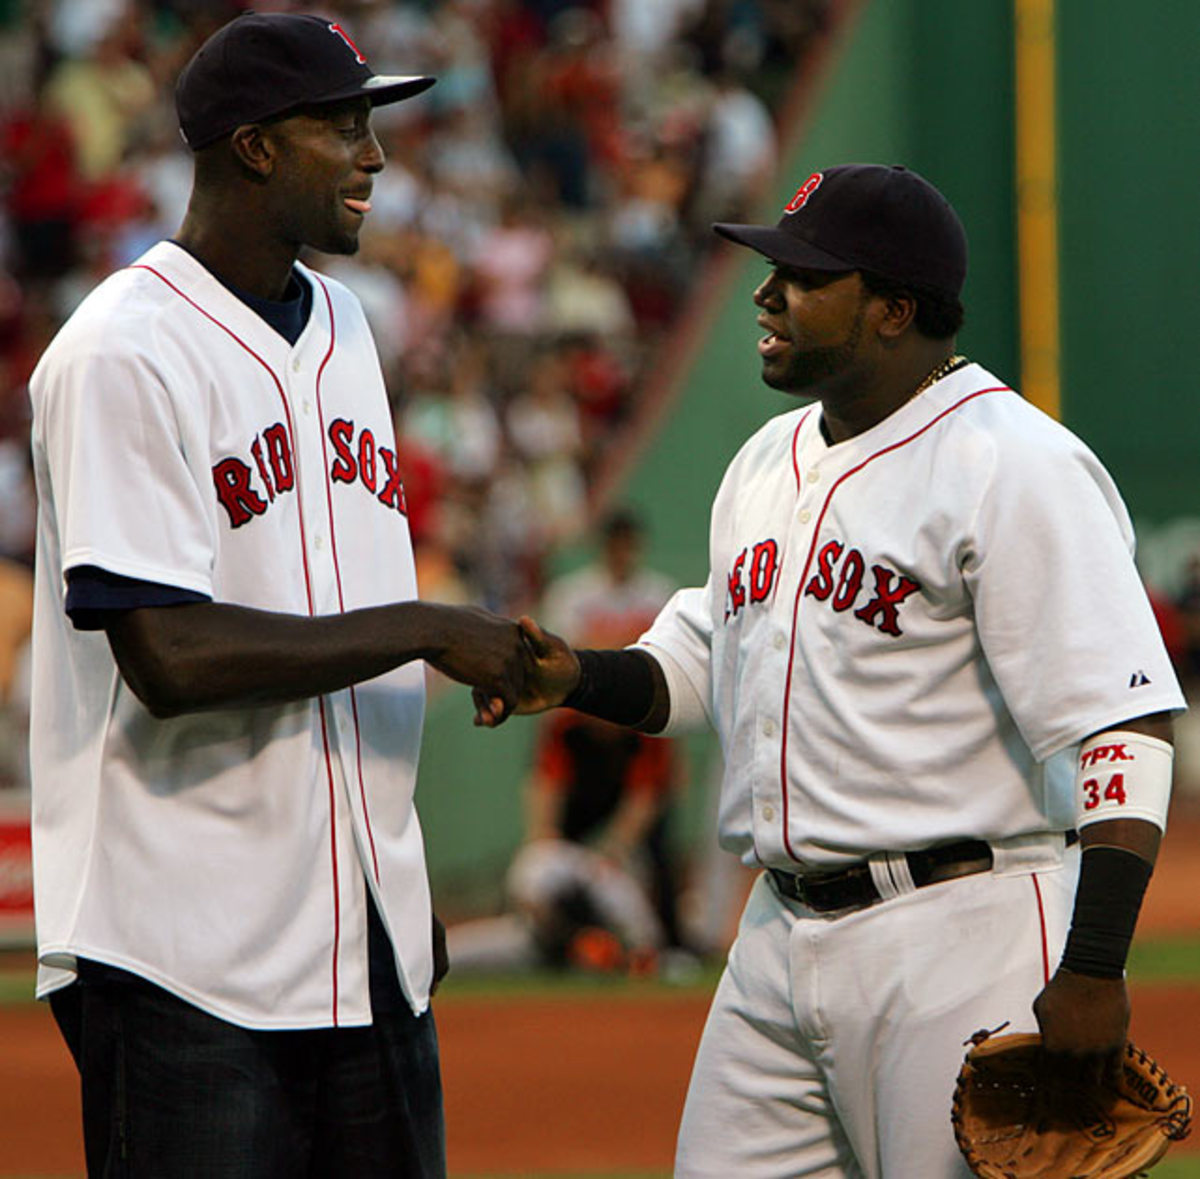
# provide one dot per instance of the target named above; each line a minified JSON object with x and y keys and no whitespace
{"x":539,"y":228}
{"x":543,"y":213}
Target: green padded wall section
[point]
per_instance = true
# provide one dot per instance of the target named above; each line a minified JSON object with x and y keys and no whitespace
{"x":1129,"y":174}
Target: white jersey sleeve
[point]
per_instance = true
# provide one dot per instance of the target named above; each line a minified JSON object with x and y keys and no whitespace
{"x":681,"y":641}
{"x":116,"y":445}
{"x":1062,"y":615}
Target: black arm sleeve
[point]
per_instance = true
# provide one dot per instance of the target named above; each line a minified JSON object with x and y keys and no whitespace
{"x":615,"y":686}
{"x":1112,"y":882}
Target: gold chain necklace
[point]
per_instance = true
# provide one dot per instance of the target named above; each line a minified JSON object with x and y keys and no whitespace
{"x":947,"y":366}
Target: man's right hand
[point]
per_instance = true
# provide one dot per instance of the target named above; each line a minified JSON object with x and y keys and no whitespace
{"x":551,"y":675}
{"x":477,"y":647}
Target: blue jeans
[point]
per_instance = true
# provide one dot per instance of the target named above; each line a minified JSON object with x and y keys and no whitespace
{"x":170,"y":1091}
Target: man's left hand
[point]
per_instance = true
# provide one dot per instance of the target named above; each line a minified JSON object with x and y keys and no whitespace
{"x":1084,"y":1023}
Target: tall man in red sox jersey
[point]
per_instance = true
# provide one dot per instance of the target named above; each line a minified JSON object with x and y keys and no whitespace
{"x":936,"y":678}
{"x":234,"y":922}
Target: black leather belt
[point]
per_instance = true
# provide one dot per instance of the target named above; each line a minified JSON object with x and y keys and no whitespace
{"x":853,"y":887}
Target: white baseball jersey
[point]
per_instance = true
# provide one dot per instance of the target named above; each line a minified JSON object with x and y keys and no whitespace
{"x":900,"y":632}
{"x":180,"y":440}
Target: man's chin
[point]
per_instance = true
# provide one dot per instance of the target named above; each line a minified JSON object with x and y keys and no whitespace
{"x":786,"y":380}
{"x":340,"y":244}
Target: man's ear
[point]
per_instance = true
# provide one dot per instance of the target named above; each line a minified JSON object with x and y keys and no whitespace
{"x":254,"y":150}
{"x":898,"y":312}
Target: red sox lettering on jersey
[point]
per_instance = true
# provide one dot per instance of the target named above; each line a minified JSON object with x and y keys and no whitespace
{"x":356,"y":459}
{"x":763,"y":566}
{"x":840,"y":580}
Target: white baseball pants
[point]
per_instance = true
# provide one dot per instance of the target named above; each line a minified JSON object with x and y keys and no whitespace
{"x":833,"y":1042}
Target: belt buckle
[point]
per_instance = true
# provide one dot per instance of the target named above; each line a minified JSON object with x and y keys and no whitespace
{"x":790,"y":885}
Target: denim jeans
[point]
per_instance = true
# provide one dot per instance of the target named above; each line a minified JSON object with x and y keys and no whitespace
{"x":171,"y":1092}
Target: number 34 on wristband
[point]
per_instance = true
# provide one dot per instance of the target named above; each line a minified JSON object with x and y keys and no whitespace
{"x":1139,"y":789}
{"x":1114,"y":791}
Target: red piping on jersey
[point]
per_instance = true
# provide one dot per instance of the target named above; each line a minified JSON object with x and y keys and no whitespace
{"x":812,"y":548}
{"x":287,"y":412}
{"x":1037,"y":890}
{"x":333,"y":857}
{"x":795,"y":439}
{"x":337,"y":569}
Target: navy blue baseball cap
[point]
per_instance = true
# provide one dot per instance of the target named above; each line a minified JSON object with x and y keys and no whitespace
{"x":887,"y":220}
{"x":264,"y":64}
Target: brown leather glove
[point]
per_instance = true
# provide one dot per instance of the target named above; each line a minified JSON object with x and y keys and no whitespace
{"x":1011,"y":1123}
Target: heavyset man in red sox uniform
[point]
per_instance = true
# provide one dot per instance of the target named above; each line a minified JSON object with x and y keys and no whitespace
{"x":234,"y":922}
{"x":937,"y":681}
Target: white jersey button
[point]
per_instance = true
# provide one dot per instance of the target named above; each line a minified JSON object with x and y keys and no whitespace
{"x":296,"y":364}
{"x":307,"y":406}
{"x":319,"y":543}
{"x":768,"y":812}
{"x":805,"y":516}
{"x":779,"y":641}
{"x":814,"y":475}
{"x":768,"y":728}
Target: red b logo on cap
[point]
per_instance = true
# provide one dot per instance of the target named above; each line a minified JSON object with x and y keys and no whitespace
{"x":338,"y":31}
{"x":804,"y":192}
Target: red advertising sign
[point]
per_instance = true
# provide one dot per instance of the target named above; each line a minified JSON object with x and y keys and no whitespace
{"x":16,"y":876}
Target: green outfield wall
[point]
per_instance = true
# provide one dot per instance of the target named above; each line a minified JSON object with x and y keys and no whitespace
{"x":929,"y":84}
{"x":1129,"y":178}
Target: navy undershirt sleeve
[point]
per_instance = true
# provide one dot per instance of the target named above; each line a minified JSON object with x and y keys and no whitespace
{"x":94,"y":595}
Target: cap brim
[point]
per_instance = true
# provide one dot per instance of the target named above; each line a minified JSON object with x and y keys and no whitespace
{"x":778,"y":246}
{"x":385,"y":88}
{"x":380,"y":89}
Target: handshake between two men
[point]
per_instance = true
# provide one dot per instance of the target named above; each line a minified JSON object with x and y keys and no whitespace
{"x":522,"y":669}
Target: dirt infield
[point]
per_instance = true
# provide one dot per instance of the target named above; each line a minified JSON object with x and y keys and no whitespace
{"x":568,"y":1085}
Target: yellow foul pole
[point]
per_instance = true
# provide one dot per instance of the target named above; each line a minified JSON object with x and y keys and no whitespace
{"x":1037,"y":203}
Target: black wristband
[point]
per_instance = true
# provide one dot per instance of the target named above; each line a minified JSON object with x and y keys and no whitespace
{"x":615,"y":686}
{"x":1112,"y":882}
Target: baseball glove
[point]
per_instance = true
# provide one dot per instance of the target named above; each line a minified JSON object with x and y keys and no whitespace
{"x":1011,"y":1124}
